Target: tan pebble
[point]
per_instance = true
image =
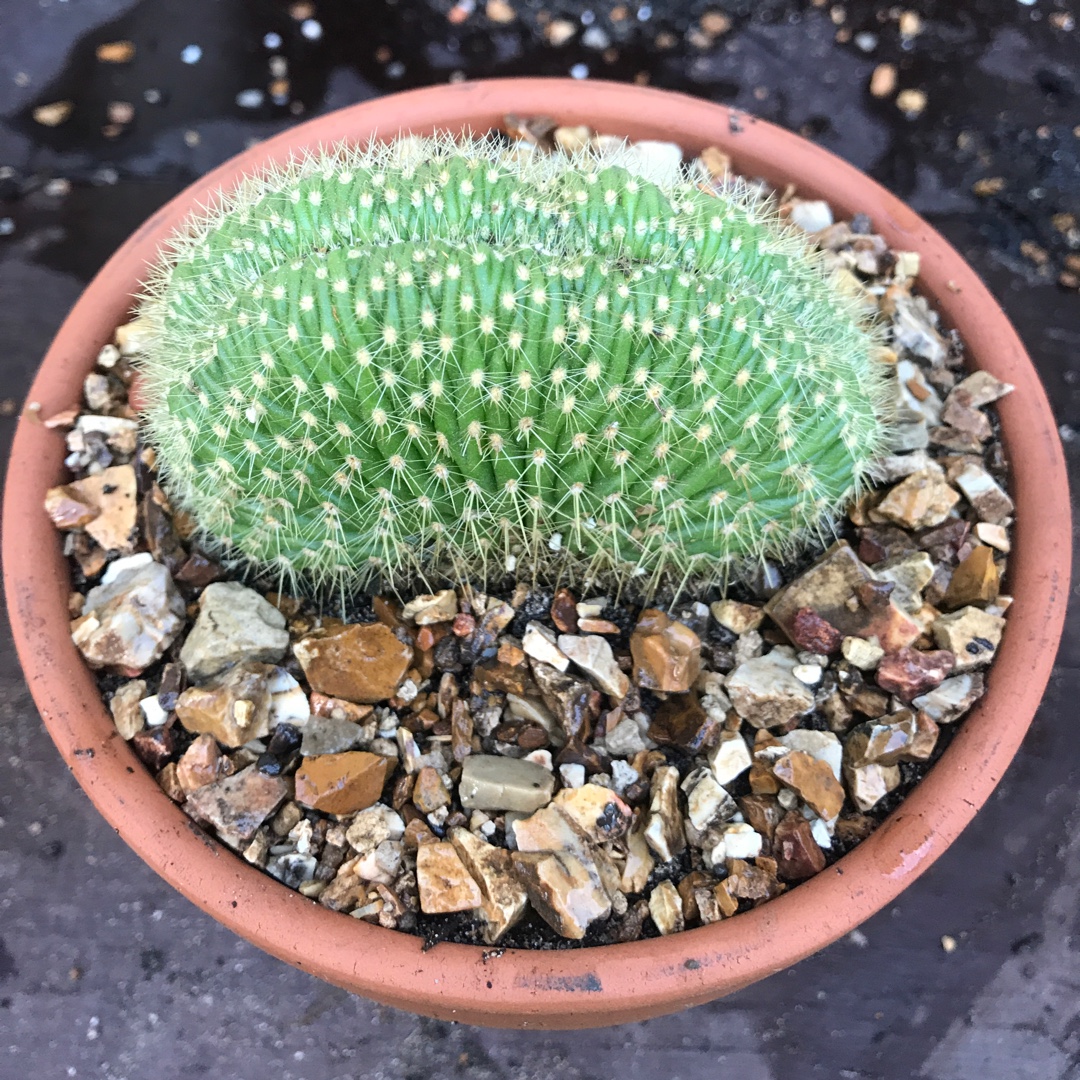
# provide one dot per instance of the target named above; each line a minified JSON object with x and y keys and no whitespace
{"x":202,"y":763}
{"x":66,"y":510}
{"x":911,"y":102}
{"x":716,"y":162}
{"x":443,"y":882}
{"x":54,"y":113}
{"x":125,"y":710}
{"x":499,"y":11}
{"x":883,"y":80}
{"x":112,"y":493}
{"x":115,"y":52}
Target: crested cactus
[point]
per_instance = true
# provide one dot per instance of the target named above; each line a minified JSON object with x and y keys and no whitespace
{"x":439,"y":355}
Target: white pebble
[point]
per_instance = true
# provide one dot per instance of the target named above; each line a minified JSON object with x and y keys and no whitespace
{"x":573,"y":775}
{"x":272,"y":40}
{"x":622,"y":774}
{"x":249,"y":99}
{"x":808,"y":674}
{"x":191,"y":54}
{"x":311,"y":29}
{"x":541,"y":758}
{"x":811,"y":215}
{"x":153,"y":713}
{"x":130,"y":562}
{"x":579,"y":71}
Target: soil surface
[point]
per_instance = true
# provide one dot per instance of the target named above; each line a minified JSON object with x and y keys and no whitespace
{"x":104,"y":970}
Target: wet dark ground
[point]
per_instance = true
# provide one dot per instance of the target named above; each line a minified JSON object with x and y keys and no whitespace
{"x":104,"y":971}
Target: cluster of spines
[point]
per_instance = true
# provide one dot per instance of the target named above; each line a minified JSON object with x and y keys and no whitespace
{"x":433,"y":352}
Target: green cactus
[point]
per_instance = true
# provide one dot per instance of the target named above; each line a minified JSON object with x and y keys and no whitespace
{"x":457,"y":357}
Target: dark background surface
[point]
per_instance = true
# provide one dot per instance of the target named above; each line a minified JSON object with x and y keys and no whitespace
{"x":104,"y":970}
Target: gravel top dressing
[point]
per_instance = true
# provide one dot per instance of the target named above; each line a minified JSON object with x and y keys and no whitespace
{"x":541,"y":767}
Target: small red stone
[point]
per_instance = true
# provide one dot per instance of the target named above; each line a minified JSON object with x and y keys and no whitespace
{"x":464,"y":625}
{"x":813,"y":633}
{"x":564,"y":611}
{"x":908,"y":672}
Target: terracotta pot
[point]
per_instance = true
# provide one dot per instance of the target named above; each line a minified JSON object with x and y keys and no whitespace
{"x":580,"y":987}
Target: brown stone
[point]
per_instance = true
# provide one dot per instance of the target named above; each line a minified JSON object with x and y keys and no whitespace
{"x":429,"y":792}
{"x":499,"y":676}
{"x":813,"y":633}
{"x":681,"y":721}
{"x":666,"y":909}
{"x":234,"y":707}
{"x":237,"y":805}
{"x":461,"y":730}
{"x":154,"y":746}
{"x":762,"y":780}
{"x":853,"y":828}
{"x":762,"y":812}
{"x":361,"y":662}
{"x":569,"y":699}
{"x":111,"y":493}
{"x":798,"y":855}
{"x":341,"y":783}
{"x":756,"y":883}
{"x":202,"y":763}
{"x":726,"y":900}
{"x":170,"y":783}
{"x":689,"y":888}
{"x":813,"y":780}
{"x":442,"y":880}
{"x":666,"y":654}
{"x":943,"y":543}
{"x":510,"y":654}
{"x":975,"y":581}
{"x":908,"y":673}
{"x":564,"y":611}
{"x":417,"y":833}
{"x":830,"y":588}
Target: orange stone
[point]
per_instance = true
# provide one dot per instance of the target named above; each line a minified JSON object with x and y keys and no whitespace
{"x":813,"y":780}
{"x":667,"y":654}
{"x":975,"y":581}
{"x":341,"y":783}
{"x":361,"y":662}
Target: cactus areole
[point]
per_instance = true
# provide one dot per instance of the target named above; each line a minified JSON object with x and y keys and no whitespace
{"x":447,"y":357}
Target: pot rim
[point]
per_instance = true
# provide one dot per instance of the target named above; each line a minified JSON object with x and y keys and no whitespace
{"x":580,"y":987}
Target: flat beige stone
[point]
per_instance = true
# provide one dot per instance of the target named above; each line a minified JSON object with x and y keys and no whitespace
{"x":444,"y":883}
